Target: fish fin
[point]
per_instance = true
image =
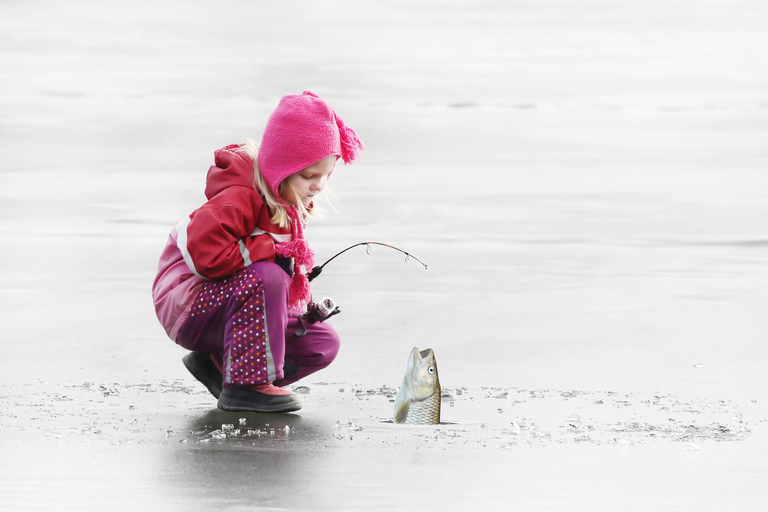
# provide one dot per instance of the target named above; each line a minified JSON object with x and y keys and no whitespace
{"x":401,"y":411}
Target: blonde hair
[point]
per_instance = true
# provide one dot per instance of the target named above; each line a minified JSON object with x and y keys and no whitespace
{"x":278,"y":213}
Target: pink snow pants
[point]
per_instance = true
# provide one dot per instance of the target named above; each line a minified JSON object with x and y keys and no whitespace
{"x":245,"y":322}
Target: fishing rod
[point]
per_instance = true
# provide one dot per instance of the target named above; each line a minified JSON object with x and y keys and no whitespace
{"x":325,"y":308}
{"x":318,"y":269}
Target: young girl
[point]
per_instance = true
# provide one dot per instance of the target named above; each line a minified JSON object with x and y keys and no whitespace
{"x":226,"y":287}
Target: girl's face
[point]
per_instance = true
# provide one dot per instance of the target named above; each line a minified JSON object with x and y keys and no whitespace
{"x":310,"y":181}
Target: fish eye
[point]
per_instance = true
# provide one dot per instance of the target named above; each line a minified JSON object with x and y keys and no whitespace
{"x":431,"y":370}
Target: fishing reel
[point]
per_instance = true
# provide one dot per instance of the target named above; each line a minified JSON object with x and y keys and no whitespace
{"x":319,"y":311}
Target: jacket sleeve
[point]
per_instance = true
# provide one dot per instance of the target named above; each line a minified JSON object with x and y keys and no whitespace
{"x":218,"y":242}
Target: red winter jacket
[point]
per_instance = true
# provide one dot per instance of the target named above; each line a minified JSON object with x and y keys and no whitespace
{"x":226,"y":234}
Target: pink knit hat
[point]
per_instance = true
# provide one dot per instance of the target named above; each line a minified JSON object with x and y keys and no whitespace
{"x":301,"y":131}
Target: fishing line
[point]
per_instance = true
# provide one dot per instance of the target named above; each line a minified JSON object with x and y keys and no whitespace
{"x":316,"y":270}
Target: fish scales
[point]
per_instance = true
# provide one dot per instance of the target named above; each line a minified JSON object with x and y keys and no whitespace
{"x":426,"y":412}
{"x":418,"y":399}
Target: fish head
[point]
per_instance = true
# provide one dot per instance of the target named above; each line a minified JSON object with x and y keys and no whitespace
{"x":422,"y":376}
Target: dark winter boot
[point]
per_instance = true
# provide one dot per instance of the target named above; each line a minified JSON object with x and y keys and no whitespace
{"x":203,"y":367}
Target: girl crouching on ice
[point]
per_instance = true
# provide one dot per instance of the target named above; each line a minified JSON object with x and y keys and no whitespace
{"x":231,"y":286}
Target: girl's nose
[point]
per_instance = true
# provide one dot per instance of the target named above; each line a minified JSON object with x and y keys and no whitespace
{"x":318,"y":184}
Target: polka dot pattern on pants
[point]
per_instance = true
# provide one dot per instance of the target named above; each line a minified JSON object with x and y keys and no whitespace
{"x":245,"y":336}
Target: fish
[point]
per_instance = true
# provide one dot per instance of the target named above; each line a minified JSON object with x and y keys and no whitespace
{"x":418,"y":399}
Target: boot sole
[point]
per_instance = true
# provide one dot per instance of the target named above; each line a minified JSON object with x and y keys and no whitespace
{"x":232,"y":404}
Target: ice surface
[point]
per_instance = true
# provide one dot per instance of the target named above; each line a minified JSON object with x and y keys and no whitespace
{"x":585,"y":179}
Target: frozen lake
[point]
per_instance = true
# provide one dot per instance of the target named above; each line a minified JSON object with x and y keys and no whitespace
{"x":586,"y":181}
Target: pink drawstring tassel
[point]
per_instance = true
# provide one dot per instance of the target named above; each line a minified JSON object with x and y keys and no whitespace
{"x":299,"y":293}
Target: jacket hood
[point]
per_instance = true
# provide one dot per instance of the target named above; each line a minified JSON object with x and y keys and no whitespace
{"x":231,"y":168}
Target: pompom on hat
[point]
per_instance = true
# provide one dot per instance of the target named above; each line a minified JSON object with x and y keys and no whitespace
{"x":301,"y":131}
